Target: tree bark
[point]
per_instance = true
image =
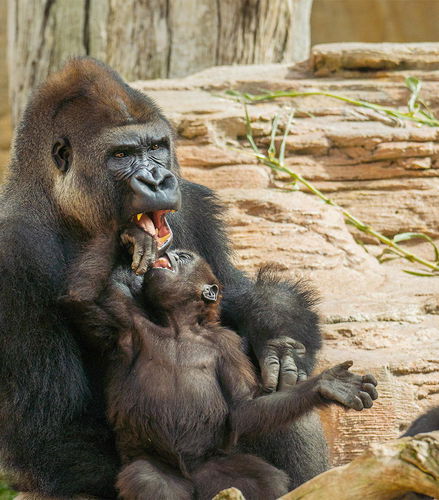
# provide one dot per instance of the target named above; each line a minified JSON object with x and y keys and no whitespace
{"x":145,"y":39}
{"x":384,"y":472}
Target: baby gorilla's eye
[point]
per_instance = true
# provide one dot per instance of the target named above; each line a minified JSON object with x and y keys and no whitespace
{"x":154,"y":147}
{"x":120,"y":154}
{"x":184,"y":256}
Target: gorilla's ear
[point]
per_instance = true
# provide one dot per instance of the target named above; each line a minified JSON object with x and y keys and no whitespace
{"x":62,"y":154}
{"x":210,"y":293}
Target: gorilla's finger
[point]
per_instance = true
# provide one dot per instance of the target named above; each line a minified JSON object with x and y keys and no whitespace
{"x":370,"y":379}
{"x":370,"y":389}
{"x":288,"y":372}
{"x":302,"y":376}
{"x":127,"y":242}
{"x":143,"y":264}
{"x":270,"y":371}
{"x":344,"y":366}
{"x":365,"y":399}
{"x":300,"y":350}
{"x":137,"y":256}
{"x":356,"y":403}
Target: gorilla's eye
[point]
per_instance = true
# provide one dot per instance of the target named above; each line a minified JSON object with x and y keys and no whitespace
{"x":120,"y":154}
{"x":154,"y":147}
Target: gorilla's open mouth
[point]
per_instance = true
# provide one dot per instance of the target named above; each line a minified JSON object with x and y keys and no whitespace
{"x":156,"y":225}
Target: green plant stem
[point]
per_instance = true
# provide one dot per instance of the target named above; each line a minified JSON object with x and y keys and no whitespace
{"x":275,"y":164}
{"x":268,"y":96}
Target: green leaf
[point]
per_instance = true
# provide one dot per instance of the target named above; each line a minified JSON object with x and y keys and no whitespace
{"x":419,"y":273}
{"x":274,"y":126}
{"x":411,"y":236}
{"x":285,"y":137}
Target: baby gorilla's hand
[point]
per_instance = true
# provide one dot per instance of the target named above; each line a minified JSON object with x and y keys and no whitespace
{"x":141,"y":245}
{"x":351,"y":390}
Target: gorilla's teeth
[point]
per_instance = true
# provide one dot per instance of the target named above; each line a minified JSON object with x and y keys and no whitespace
{"x":139,"y":216}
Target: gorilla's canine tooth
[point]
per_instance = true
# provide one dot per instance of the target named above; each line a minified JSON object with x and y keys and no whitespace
{"x":139,"y":216}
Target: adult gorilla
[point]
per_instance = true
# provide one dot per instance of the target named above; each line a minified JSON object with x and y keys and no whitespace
{"x":91,"y":153}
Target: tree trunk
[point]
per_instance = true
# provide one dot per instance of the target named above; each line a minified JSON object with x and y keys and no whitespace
{"x":145,"y":39}
{"x":385,"y":472}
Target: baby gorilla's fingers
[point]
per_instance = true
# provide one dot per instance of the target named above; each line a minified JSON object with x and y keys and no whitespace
{"x":143,"y":264}
{"x":149,"y":251}
{"x":370,"y":389}
{"x":356,"y":403}
{"x":342,"y":367}
{"x":349,"y":389}
{"x":138,"y":254}
{"x":365,"y":399}
{"x":370,"y":379}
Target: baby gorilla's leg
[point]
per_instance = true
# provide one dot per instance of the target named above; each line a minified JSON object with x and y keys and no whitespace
{"x":255,"y":478}
{"x":147,"y":478}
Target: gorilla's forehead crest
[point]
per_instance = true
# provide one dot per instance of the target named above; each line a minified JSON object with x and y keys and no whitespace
{"x":87,"y":86}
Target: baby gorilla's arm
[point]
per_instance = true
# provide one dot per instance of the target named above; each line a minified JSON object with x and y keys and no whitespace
{"x":97,"y":305}
{"x":335,"y":385}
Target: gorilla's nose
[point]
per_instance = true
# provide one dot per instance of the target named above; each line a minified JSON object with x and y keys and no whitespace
{"x":155,"y":188}
{"x":154,"y":178}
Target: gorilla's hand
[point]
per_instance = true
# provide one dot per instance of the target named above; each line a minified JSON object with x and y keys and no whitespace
{"x":280,"y":363}
{"x":141,"y":245}
{"x":340,"y":385}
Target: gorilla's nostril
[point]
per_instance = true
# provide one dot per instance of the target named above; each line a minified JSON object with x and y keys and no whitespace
{"x":148,"y":180}
{"x":154,"y":179}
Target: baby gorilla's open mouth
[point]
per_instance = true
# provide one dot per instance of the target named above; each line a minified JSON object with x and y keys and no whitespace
{"x":167,"y":262}
{"x":156,"y":225}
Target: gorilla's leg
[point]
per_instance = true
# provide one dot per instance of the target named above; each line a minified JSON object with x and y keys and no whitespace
{"x":255,"y":478}
{"x":427,"y":422}
{"x":36,"y":496}
{"x":300,"y":450}
{"x":147,"y":478}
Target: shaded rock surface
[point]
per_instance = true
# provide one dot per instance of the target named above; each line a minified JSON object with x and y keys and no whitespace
{"x":385,"y":172}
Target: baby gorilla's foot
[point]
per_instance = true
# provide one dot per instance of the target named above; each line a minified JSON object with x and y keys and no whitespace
{"x":354,"y":391}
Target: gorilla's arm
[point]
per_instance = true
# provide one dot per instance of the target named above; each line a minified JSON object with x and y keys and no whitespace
{"x":267,"y":312}
{"x":99,"y":297}
{"x":263,"y":414}
{"x":52,"y":427}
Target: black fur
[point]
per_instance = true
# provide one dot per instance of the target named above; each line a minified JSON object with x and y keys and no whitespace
{"x":180,"y":391}
{"x":54,"y":438}
{"x":427,"y":422}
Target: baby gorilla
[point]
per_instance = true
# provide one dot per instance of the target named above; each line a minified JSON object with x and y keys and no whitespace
{"x":180,"y":390}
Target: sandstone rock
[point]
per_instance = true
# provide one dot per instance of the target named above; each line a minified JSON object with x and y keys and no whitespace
{"x":384,"y":173}
{"x":332,"y":57}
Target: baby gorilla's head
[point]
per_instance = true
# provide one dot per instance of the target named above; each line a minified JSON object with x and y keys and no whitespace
{"x":181,"y":281}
